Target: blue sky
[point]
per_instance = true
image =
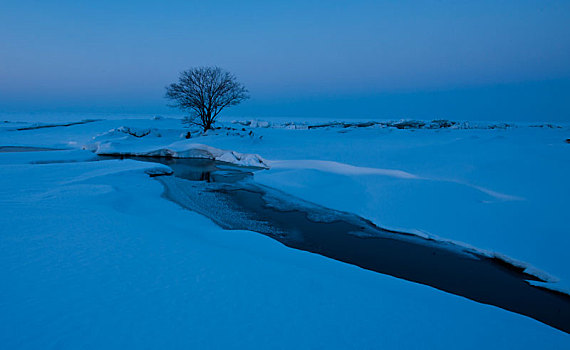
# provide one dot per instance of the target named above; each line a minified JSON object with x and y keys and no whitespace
{"x":480,"y":60}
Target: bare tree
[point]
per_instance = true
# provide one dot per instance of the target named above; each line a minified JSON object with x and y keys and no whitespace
{"x":205,"y":92}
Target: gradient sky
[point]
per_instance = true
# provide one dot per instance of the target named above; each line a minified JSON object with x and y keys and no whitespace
{"x":478,"y":60}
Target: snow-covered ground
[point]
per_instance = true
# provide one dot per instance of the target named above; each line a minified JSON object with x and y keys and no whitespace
{"x":92,"y":256}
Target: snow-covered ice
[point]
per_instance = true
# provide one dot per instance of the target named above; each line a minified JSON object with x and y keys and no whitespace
{"x":92,"y":256}
{"x":122,"y":141}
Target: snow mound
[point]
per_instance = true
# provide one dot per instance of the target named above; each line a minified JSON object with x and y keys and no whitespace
{"x":192,"y":150}
{"x":339,"y":168}
{"x":127,"y":141}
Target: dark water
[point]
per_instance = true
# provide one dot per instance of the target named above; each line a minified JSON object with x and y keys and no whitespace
{"x":203,"y":185}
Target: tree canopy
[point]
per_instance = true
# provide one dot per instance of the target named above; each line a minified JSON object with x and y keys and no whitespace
{"x":204,"y":92}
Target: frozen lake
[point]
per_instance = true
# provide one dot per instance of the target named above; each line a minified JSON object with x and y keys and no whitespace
{"x":210,"y":186}
{"x":401,"y":234}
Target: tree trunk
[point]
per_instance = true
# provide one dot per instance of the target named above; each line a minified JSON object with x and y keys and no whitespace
{"x":207,"y":122}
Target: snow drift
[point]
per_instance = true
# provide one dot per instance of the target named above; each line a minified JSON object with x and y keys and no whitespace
{"x":127,"y":141}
